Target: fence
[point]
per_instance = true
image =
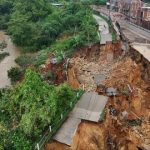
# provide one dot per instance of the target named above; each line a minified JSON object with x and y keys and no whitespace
{"x":57,"y":123}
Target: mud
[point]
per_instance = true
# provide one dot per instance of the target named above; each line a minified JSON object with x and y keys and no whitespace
{"x":90,"y":64}
{"x":127,"y":117}
{"x":54,"y":73}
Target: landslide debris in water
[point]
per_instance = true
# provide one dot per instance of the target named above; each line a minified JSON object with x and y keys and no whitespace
{"x":127,"y":117}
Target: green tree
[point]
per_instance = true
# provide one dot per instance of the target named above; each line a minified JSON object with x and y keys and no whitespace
{"x":15,"y":74}
{"x":89,"y":28}
{"x":31,"y":103}
{"x":3,"y":132}
{"x":64,"y":96}
{"x":26,"y":23}
{"x":5,"y":10}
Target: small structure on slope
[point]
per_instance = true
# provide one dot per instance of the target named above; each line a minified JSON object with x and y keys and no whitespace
{"x":90,"y":107}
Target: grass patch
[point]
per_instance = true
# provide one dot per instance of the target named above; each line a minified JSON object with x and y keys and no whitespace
{"x":24,"y":60}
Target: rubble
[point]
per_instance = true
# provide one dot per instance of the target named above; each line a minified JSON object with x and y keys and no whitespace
{"x":92,"y":69}
{"x":3,"y":45}
{"x":127,"y":117}
{"x":111,"y":91}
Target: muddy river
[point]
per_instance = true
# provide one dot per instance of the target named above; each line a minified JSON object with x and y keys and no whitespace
{"x":8,"y":61}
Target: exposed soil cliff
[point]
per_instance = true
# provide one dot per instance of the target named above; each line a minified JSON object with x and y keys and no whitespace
{"x":127,"y":117}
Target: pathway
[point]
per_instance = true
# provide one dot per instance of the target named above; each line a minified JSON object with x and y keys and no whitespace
{"x":105,"y":35}
{"x":90,"y":107}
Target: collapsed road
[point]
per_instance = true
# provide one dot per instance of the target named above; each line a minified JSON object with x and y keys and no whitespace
{"x":126,"y":123}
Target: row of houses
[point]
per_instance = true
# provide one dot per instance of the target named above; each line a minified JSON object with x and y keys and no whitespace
{"x":136,"y":11}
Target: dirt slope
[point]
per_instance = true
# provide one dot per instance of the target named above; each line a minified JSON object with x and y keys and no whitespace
{"x":127,"y":117}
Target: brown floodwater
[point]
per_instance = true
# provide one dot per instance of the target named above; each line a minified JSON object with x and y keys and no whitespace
{"x":8,"y":61}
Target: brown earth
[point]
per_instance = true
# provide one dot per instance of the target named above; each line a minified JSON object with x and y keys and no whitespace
{"x":93,"y":61}
{"x":57,"y":70}
{"x":127,"y":117}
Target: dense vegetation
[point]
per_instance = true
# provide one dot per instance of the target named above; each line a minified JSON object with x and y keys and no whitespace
{"x":15,"y":74}
{"x":35,"y":25}
{"x":3,"y":55}
{"x":5,"y":10}
{"x":28,"y":108}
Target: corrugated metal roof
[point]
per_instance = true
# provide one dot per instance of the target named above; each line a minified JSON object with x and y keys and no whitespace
{"x":90,"y":107}
{"x":66,"y":133}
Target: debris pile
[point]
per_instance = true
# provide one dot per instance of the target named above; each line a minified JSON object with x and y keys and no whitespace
{"x":92,"y":70}
{"x":127,"y":117}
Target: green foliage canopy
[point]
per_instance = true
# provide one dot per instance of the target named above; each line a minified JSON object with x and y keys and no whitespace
{"x":31,"y":103}
{"x":28,"y":108}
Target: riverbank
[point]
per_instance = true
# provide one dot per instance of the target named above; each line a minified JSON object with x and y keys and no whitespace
{"x":8,"y":62}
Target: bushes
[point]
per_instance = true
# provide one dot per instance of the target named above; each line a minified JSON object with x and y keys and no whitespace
{"x":3,"y":133}
{"x":82,"y":31}
{"x":35,"y":29}
{"x":35,"y":34}
{"x":24,"y":60}
{"x":5,"y":10}
{"x":99,"y":2}
{"x":41,"y":57}
{"x":15,"y":74}
{"x":32,"y":105}
{"x":3,"y":55}
{"x":3,"y":45}
{"x":19,"y":141}
{"x":64,"y":95}
{"x":26,"y":24}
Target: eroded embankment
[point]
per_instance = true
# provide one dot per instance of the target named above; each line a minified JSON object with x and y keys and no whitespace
{"x":127,"y":117}
{"x":143,"y":62}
